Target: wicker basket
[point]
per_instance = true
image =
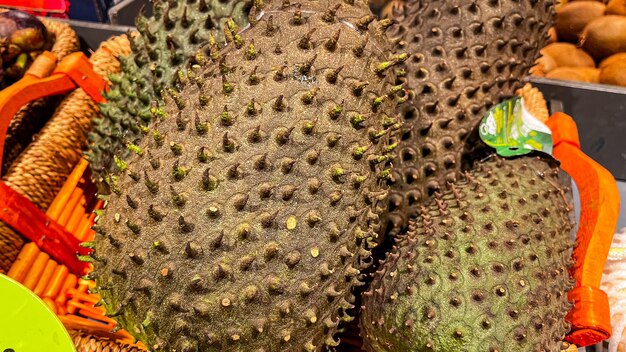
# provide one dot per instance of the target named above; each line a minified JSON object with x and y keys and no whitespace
{"x":65,"y":293}
{"x":90,"y":343}
{"x":32,"y":117}
{"x":39,"y":171}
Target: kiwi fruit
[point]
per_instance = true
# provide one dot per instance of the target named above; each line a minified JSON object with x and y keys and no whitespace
{"x":605,"y":36}
{"x":568,"y":55}
{"x":572,"y":18}
{"x":614,"y":74}
{"x":553,"y":36}
{"x":616,"y":7}
{"x":581,"y":74}
{"x":612,"y":59}
{"x":547,"y":63}
{"x":537,"y":71}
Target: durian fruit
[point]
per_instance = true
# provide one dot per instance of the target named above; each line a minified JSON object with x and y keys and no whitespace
{"x":465,"y":57}
{"x":245,"y":219}
{"x":166,"y":42}
{"x":483,"y":268}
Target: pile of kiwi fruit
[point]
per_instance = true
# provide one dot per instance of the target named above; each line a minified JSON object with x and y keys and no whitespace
{"x":587,"y":43}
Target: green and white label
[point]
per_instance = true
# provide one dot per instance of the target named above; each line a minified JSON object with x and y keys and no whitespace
{"x":512,"y":130}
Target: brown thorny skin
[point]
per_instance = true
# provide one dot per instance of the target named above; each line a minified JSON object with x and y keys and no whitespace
{"x":483,"y":268}
{"x":244,"y":223}
{"x":465,"y":57}
{"x":165,"y":44}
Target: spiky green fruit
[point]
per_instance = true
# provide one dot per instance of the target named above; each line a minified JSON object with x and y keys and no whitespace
{"x":250,"y":232}
{"x":181,"y":33}
{"x":483,"y":268}
{"x":466,"y":57}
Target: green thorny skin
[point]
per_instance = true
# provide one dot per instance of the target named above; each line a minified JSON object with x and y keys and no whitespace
{"x":465,"y":57}
{"x":244,"y":221}
{"x":483,"y":268}
{"x":170,"y":41}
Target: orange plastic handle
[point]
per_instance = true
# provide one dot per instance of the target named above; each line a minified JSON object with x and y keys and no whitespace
{"x":590,"y":318}
{"x":73,"y":71}
{"x":41,"y":80}
{"x":23,"y":216}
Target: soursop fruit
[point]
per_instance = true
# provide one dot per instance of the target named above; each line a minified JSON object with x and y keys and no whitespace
{"x":167,"y":42}
{"x":465,"y":57}
{"x":483,"y":268}
{"x":243,"y":223}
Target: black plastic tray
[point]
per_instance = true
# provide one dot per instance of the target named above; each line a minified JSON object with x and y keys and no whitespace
{"x":600,"y":113}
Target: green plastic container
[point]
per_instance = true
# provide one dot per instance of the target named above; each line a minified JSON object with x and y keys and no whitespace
{"x":26,"y":322}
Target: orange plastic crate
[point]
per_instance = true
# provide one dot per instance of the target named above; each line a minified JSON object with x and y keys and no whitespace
{"x":67,"y":295}
{"x":45,"y":6}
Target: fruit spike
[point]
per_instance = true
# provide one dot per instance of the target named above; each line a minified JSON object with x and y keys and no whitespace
{"x":483,"y":267}
{"x":266,"y":216}
{"x":163,"y":53}
{"x":465,"y":57}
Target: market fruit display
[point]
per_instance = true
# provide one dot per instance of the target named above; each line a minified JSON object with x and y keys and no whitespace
{"x":605,"y":36}
{"x":567,"y":55}
{"x":465,"y":57}
{"x":483,"y":268}
{"x":581,"y":74}
{"x":614,"y":74}
{"x":595,"y":32}
{"x":545,"y":63}
{"x":616,"y":7}
{"x":22,"y":38}
{"x":171,"y":40}
{"x":621,"y":57}
{"x":573,"y":17}
{"x":244,"y":219}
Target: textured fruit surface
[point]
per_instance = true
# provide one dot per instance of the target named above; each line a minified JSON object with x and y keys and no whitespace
{"x":465,"y":57}
{"x":616,"y":7}
{"x":166,"y":43}
{"x":483,"y":268}
{"x":581,"y":74}
{"x":547,"y":63}
{"x":614,"y":74}
{"x":572,"y":18}
{"x":620,"y":57}
{"x":568,"y":55}
{"x":243,"y":222}
{"x":605,"y":36}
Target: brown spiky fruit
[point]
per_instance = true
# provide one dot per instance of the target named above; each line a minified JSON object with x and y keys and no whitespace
{"x":243,"y":223}
{"x":180,"y":33}
{"x":483,"y":268}
{"x":465,"y":57}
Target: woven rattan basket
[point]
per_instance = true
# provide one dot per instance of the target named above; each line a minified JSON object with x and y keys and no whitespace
{"x":89,"y":343}
{"x":40,"y":170}
{"x":31,"y":118}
